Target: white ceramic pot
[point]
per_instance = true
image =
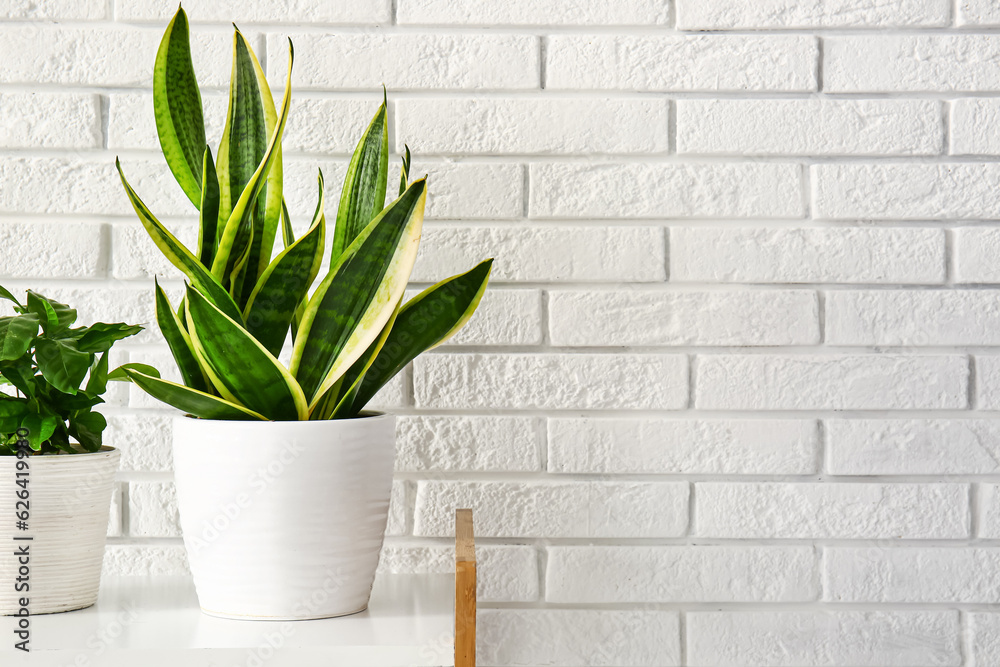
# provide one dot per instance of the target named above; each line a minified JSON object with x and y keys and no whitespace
{"x":283,"y":520}
{"x":69,"y":502}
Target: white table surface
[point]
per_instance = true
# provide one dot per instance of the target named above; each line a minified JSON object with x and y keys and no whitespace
{"x":155,"y":621}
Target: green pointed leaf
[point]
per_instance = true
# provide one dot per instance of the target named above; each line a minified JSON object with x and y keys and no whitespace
{"x":54,"y":316}
{"x":61,"y":363}
{"x":404,"y":173}
{"x":177,"y":107}
{"x":191,"y":401}
{"x":40,"y":428}
{"x":179,"y":342}
{"x":241,"y":368}
{"x":5,"y":294}
{"x":240,"y":219}
{"x":358,"y":296}
{"x":16,"y":334}
{"x":286,"y":283}
{"x":88,"y":429}
{"x":99,"y":337}
{"x":363,"y":195}
{"x":12,"y":412}
{"x":350,"y":384}
{"x":426,"y":321}
{"x":209,"y":211}
{"x":287,"y":234}
{"x":97,"y":383}
{"x":179,"y":255}
{"x":120,"y":374}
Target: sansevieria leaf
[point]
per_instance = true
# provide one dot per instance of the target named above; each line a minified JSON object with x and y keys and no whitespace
{"x":285,"y":283}
{"x":209,"y":212}
{"x":241,"y":368}
{"x":179,"y":255}
{"x":425,"y":321}
{"x":404,"y":172}
{"x":179,"y":341}
{"x":364,"y":186}
{"x":243,"y":207}
{"x":189,"y":400}
{"x":177,"y":107}
{"x":357,"y":297}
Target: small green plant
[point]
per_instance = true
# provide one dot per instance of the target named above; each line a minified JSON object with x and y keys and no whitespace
{"x":351,"y":333}
{"x":43,"y":363}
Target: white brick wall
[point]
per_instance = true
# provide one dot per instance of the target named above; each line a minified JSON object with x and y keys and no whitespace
{"x":734,"y":396}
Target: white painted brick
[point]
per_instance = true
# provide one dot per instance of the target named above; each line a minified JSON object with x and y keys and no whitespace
{"x":70,"y":249}
{"x":504,"y":317}
{"x":264,"y":11}
{"x":554,"y":509}
{"x":682,"y":63}
{"x":54,"y":9}
{"x":987,"y":382}
{"x":504,"y":573}
{"x":916,"y":63}
{"x":978,"y":12}
{"x":533,"y":125}
{"x":823,"y":510}
{"x":613,"y":190}
{"x":475,"y":443}
{"x":897,"y":317}
{"x":809,"y":127}
{"x":648,"y":317}
{"x":599,"y":574}
{"x":912,"y":446}
{"x":551,"y":381}
{"x":143,"y":439}
{"x":115,"y":515}
{"x":392,"y":395}
{"x":985,"y":641}
{"x":831,"y":382}
{"x":544,"y":253}
{"x":989,"y":511}
{"x":46,"y":120}
{"x":956,"y":574}
{"x":814,"y":638}
{"x":807,"y":255}
{"x":407,"y":61}
{"x":153,"y":510}
{"x":105,"y":55}
{"x":907,"y":191}
{"x":57,"y":184}
{"x":683,"y":446}
{"x":977,"y":255}
{"x":463,"y":190}
{"x":972,"y":123}
{"x":399,"y":509}
{"x":533,"y":12}
{"x":143,"y":560}
{"x":722,"y":15}
{"x":586,"y":637}
{"x":134,"y":255}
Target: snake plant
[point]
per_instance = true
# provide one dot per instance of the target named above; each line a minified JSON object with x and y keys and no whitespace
{"x":352,"y":332}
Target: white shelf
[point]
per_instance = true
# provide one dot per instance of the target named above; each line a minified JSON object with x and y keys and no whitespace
{"x":155,"y":621}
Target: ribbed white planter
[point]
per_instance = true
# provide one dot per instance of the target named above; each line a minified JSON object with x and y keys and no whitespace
{"x":283,"y":520}
{"x":70,"y":498}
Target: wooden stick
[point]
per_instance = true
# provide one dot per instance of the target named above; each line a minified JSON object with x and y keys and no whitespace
{"x":465,"y":590}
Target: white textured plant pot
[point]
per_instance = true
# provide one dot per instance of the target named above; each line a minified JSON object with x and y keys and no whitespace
{"x":283,"y":520}
{"x":70,"y":499}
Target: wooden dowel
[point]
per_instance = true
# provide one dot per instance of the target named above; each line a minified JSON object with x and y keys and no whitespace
{"x":465,"y":590}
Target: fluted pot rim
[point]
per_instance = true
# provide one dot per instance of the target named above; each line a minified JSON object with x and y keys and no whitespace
{"x":66,"y":456}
